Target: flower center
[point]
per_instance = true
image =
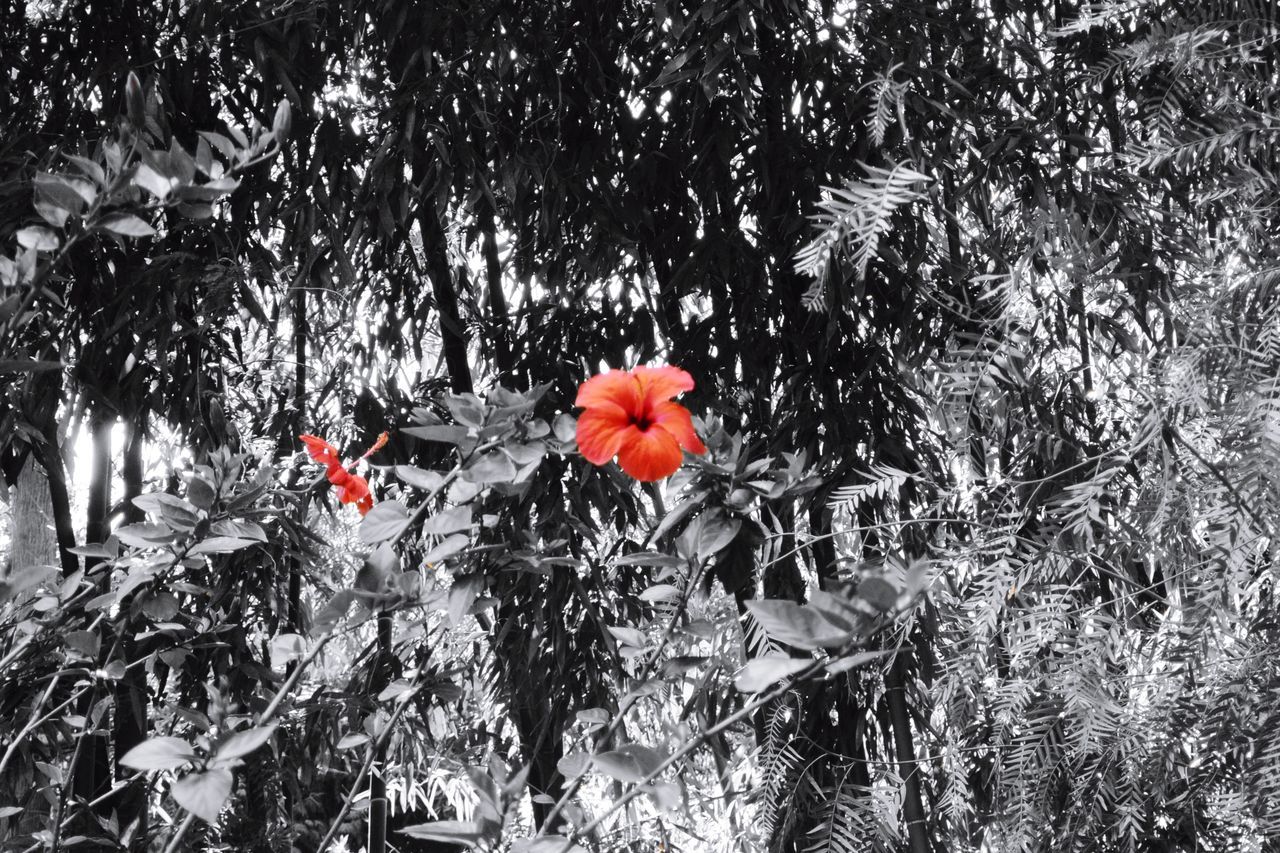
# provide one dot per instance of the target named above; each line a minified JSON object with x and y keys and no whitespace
{"x":642,"y":423}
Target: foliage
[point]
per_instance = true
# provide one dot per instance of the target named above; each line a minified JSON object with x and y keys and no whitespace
{"x":979,"y":305}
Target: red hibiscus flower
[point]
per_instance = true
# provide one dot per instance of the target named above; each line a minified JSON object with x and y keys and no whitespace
{"x":351,"y":488}
{"x":630,"y":414}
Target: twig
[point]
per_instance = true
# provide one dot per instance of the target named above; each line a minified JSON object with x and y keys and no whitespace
{"x":172,"y":846}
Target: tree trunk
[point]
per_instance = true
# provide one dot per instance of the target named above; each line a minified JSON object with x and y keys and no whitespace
{"x":904,"y":746}
{"x":32,"y":541}
{"x":452,"y":332}
{"x":131,"y":700}
{"x":93,"y":766}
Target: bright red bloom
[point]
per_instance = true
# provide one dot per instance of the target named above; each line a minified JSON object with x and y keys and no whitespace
{"x":351,"y":488}
{"x":320,"y":450}
{"x":630,"y":414}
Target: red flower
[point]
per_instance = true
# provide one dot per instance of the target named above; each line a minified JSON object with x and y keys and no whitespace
{"x":630,"y":414}
{"x":351,"y":488}
{"x":320,"y":450}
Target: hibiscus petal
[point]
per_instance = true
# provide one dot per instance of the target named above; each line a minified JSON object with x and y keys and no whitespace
{"x":600,"y":432}
{"x":356,"y":489}
{"x":658,"y":384}
{"x":338,"y":475}
{"x":675,"y":419}
{"x":365,"y":504}
{"x":319,"y":449}
{"x":617,"y":388}
{"x":650,"y":454}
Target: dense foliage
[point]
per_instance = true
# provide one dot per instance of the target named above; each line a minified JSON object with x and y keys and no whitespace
{"x":980,"y":303}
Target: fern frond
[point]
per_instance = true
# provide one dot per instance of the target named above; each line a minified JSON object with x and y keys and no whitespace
{"x":852,"y":218}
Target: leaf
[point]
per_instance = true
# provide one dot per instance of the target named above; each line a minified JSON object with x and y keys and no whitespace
{"x":546,"y":844}
{"x":574,"y":764}
{"x":145,"y":534}
{"x":38,"y":238}
{"x":62,"y":191}
{"x":446,"y":433}
{"x":160,"y":607}
{"x":593,"y":716}
{"x":565,"y":427}
{"x":879,"y":593}
{"x":378,"y":568}
{"x":385,"y":521}
{"x":239,"y":529}
{"x":648,"y":558}
{"x":462,"y":594}
{"x":467,"y":409}
{"x":800,"y":626}
{"x":630,"y":636}
{"x":52,"y":213}
{"x":666,"y":795}
{"x":492,"y":467}
{"x":224,"y":146}
{"x":618,"y":765}
{"x":449,"y":521}
{"x":10,"y":811}
{"x":29,"y":366}
{"x":660,"y":592}
{"x":286,"y":647}
{"x":419,"y":478}
{"x":242,"y":743}
{"x":761,"y":672}
{"x":465,"y":832}
{"x":631,"y":763}
{"x":845,"y":664}
{"x":221,"y":545}
{"x":334,"y":610}
{"x":88,"y":643}
{"x":446,"y":549}
{"x":350,"y":741}
{"x":159,"y":753}
{"x":125,"y":225}
{"x":203,"y":794}
{"x":714,"y":532}
{"x":153,"y":182}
